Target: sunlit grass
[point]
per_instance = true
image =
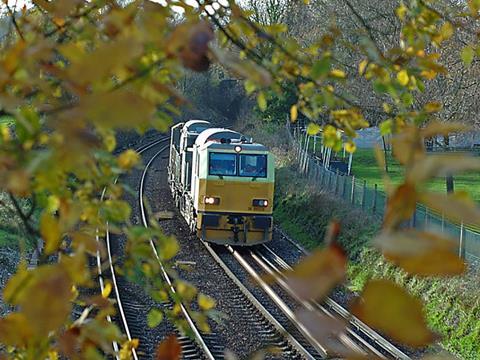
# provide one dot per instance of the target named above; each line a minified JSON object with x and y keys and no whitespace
{"x":364,"y":167}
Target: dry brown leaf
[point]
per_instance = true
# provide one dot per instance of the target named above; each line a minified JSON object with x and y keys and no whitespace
{"x":440,"y":165}
{"x":318,"y":273}
{"x":457,"y":207}
{"x":407,"y":146}
{"x":15,"y":330}
{"x":327,"y":331}
{"x":421,"y":253}
{"x":390,"y":309}
{"x":169,"y":349}
{"x":411,"y":242}
{"x":190,"y":43}
{"x":442,"y":128}
{"x":121,"y":108}
{"x":401,"y":205}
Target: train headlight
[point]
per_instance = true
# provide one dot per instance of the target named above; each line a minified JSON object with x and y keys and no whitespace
{"x":211,"y":200}
{"x":260,"y":202}
{"x":238,"y":148}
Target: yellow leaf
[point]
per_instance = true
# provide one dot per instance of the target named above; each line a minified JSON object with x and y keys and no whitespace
{"x":262,"y":101}
{"x":154,"y":318}
{"x":128,"y":159}
{"x":243,"y":68}
{"x":327,"y":330}
{"x":318,"y":273}
{"x":433,"y":107}
{"x":389,"y":308}
{"x":401,"y":11}
{"x":120,"y":108}
{"x":446,"y":31}
{"x":457,"y":207}
{"x":350,"y":147}
{"x":362,"y":66}
{"x":107,"y":289}
{"x":50,"y":231}
{"x":110,"y":142}
{"x":403,"y":78}
{"x":88,"y":67}
{"x":205,"y":302}
{"x":421,"y":253}
{"x":167,"y":247}
{"x":169,"y":349}
{"x":293,"y":113}
{"x":336,"y":73}
{"x":313,"y":129}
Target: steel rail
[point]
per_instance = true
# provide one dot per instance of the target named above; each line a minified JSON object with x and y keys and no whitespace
{"x":353,"y":320}
{"x":269,"y":267}
{"x":101,"y":280}
{"x":287,"y":311}
{"x":258,"y":305}
{"x":188,"y":318}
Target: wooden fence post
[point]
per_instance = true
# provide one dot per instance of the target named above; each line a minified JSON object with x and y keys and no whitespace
{"x":374,"y":205}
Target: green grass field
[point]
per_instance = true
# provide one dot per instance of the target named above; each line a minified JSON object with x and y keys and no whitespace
{"x":364,"y":166}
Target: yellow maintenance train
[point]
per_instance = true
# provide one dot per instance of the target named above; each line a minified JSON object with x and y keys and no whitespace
{"x":222,"y":182}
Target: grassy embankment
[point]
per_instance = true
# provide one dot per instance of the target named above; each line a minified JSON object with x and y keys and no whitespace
{"x":452,"y":305}
{"x":364,"y":166}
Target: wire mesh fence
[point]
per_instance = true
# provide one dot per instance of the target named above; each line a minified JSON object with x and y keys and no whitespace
{"x":372,"y":200}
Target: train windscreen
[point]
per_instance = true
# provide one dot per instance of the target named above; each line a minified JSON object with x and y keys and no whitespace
{"x":253,"y":165}
{"x":222,"y":164}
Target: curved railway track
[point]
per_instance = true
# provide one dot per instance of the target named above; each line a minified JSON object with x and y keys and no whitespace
{"x":102,"y":276}
{"x":197,"y":349}
{"x":207,"y":345}
{"x":266,"y":301}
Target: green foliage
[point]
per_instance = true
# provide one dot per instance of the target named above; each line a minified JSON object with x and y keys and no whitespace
{"x":278,"y":105}
{"x":305,"y":214}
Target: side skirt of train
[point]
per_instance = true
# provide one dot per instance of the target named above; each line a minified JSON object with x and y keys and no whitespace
{"x":222,"y":182}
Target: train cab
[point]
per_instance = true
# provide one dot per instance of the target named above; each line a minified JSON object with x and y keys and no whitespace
{"x":232,"y":188}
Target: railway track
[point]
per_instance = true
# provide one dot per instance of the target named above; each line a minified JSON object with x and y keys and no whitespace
{"x":203,"y":346}
{"x":266,"y":301}
{"x":357,"y":334}
{"x":127,"y":306}
{"x":103,"y":276}
{"x":279,"y":311}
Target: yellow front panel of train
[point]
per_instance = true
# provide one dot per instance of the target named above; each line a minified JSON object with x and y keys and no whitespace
{"x":235,"y":196}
